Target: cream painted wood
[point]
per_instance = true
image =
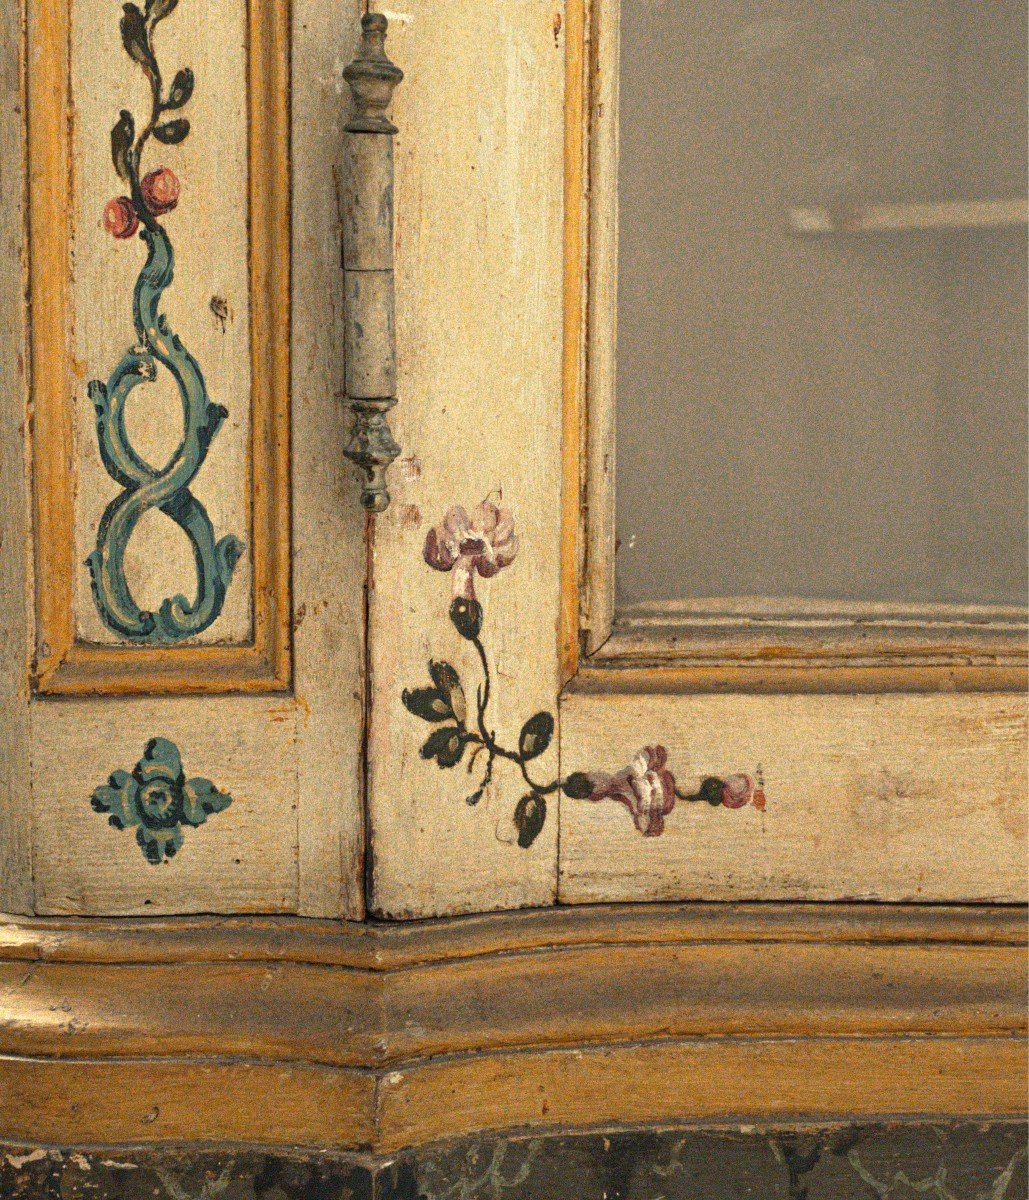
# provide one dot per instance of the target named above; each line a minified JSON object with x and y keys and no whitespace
{"x":479,"y":278}
{"x":244,"y":859}
{"x":292,"y":840}
{"x":15,"y":810}
{"x":328,"y":544}
{"x":889,"y":797}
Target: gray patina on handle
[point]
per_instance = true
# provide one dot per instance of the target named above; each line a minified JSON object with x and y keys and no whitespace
{"x":370,"y":335}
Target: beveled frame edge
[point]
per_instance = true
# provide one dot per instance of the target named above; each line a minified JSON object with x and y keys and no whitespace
{"x":595,"y":653}
{"x":64,"y":665}
{"x":332,"y":1034}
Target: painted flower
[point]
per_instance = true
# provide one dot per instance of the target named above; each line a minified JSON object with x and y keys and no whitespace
{"x":157,"y":799}
{"x":120,"y":217}
{"x":160,"y":190}
{"x":737,"y":791}
{"x":646,"y":787}
{"x":481,"y":544}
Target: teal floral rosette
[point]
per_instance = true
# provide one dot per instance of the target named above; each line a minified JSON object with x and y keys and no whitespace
{"x":157,"y":800}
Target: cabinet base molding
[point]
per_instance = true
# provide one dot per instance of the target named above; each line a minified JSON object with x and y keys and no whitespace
{"x":373,"y":1038}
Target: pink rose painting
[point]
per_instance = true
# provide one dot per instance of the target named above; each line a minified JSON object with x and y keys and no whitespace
{"x":646,"y":787}
{"x":482,"y":543}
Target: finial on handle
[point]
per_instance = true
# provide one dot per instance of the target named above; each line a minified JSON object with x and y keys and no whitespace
{"x":372,"y":78}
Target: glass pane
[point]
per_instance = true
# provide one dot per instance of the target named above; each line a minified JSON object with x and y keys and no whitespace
{"x":821,"y":383}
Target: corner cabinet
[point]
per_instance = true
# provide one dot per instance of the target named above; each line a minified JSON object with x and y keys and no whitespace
{"x":259,"y":733}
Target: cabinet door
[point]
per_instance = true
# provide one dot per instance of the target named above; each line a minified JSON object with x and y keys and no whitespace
{"x":181,"y":667}
{"x":802,"y":677}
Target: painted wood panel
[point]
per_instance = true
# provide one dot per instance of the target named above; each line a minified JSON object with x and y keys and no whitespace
{"x":203,"y":801}
{"x":208,"y":304}
{"x":243,"y":858}
{"x":479,"y":331}
{"x":328,"y":541}
{"x":881,"y":797}
{"x":161,"y":405}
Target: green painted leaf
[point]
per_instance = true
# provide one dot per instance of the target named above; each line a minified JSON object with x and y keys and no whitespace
{"x":536,"y":735}
{"x":181,"y":89}
{"x":467,"y":617}
{"x":445,"y":745}
{"x":121,"y":143}
{"x":578,"y":786}
{"x":136,"y":39}
{"x":172,"y":132}
{"x":157,"y":10}
{"x":159,"y":844}
{"x":428,"y":703}
{"x":530,"y":814}
{"x":446,"y":678}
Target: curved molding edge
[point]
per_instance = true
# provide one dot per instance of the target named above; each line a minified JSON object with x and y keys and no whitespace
{"x":276,"y":1031}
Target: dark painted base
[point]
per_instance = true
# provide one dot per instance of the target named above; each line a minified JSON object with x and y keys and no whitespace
{"x":884,"y":1162}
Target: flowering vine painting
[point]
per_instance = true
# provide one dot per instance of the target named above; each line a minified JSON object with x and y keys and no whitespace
{"x":151,"y":196}
{"x":482,"y":544}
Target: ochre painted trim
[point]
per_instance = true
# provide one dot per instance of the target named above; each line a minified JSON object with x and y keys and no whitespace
{"x":623,"y":678}
{"x":374,"y":1037}
{"x":704,"y":1080}
{"x":65,"y":666}
{"x":576,"y":228}
{"x":386,"y":946}
{"x":673,"y":660}
{"x":677,"y":1082}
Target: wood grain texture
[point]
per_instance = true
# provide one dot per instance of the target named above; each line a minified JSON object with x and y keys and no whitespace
{"x":329,"y":533}
{"x":83,"y":1102}
{"x":97,"y":1103}
{"x":577,"y":198}
{"x":704,"y":1080}
{"x":15,"y":633}
{"x":886,"y":797}
{"x":479,"y":331}
{"x":599,"y":1017}
{"x":67,"y":662}
{"x":571,"y":995}
{"x":598,"y":510}
{"x":376,"y":946}
{"x":242,"y":859}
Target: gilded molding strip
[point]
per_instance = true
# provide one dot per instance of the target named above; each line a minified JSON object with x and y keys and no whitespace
{"x":144,"y":486}
{"x":155,"y":664}
{"x":484,"y":544}
{"x":326,"y":1032}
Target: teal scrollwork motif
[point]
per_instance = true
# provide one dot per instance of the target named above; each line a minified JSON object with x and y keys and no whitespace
{"x":145,"y":486}
{"x":157,"y":799}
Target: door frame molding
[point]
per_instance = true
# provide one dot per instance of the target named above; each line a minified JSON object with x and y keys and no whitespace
{"x":965,"y":648}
